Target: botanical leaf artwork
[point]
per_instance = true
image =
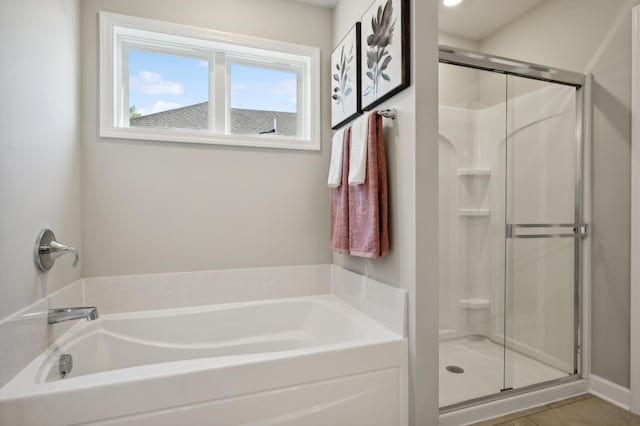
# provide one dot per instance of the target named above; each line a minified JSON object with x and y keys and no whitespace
{"x":378,"y":57}
{"x":343,"y":88}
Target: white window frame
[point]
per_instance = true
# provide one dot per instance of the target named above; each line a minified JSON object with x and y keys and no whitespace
{"x":118,"y":32}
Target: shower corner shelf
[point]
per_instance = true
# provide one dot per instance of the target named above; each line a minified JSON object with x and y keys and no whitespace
{"x":474,"y":172}
{"x":474,"y":303}
{"x":474,"y":212}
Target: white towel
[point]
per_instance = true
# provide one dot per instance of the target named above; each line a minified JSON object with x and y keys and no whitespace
{"x":335,"y":166}
{"x":358,"y":150}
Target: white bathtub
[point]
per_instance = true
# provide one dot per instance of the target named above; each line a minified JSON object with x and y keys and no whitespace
{"x":298,"y":361}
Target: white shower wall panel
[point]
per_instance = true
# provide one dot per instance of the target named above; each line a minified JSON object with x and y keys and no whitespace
{"x":452,"y":141}
{"x":464,"y":246}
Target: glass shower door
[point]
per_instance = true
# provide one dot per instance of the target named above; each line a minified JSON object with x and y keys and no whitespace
{"x":543,"y":227}
{"x":472,"y":129}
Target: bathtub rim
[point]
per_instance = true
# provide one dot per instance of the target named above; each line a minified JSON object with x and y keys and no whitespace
{"x":25,"y":383}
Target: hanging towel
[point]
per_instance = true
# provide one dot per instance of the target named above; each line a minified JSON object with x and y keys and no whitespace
{"x":340,"y":203}
{"x":335,"y":166}
{"x":358,"y":151}
{"x":368,"y":203}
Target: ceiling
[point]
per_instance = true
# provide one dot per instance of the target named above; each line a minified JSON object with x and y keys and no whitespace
{"x":476,"y":19}
{"x":473,"y":19}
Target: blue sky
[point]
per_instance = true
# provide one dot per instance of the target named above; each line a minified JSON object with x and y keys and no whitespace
{"x":160,"y":82}
{"x":262,"y":88}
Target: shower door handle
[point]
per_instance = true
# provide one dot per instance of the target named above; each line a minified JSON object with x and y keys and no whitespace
{"x":547,"y":230}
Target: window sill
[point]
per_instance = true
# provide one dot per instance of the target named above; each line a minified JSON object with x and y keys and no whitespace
{"x":200,"y":137}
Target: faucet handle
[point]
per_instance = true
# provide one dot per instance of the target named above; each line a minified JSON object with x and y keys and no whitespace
{"x":47,"y":250}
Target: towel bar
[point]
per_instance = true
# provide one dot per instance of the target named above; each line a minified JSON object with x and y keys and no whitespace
{"x":388,"y":113}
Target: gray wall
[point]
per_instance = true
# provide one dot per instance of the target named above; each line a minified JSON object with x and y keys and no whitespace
{"x":161,"y":207}
{"x":412,"y":157}
{"x":40,"y":171}
{"x":594,"y":36}
{"x":399,"y":142}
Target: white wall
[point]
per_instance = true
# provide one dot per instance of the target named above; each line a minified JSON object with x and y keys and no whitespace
{"x":160,"y":207}
{"x":594,"y":36}
{"x":412,"y":159}
{"x":40,"y":172}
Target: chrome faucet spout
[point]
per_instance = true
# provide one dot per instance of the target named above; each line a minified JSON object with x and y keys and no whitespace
{"x":89,"y":313}
{"x":57,"y":249}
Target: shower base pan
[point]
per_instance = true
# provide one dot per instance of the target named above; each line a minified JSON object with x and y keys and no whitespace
{"x":483,"y":362}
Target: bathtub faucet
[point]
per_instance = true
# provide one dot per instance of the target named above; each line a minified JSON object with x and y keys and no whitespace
{"x":47,"y":250}
{"x":90,"y":313}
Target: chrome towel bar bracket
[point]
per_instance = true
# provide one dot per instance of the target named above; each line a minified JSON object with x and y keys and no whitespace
{"x":388,"y":113}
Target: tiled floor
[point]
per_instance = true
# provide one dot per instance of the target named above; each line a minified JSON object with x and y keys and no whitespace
{"x":483,"y":362}
{"x":583,"y":410}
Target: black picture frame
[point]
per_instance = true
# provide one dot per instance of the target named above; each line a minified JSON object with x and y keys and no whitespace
{"x":400,"y":23}
{"x":338,"y":73}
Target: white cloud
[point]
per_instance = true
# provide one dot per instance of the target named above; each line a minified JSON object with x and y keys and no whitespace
{"x":265,"y":95}
{"x":158,"y":106}
{"x":238,"y":87}
{"x":203,"y":64}
{"x":287,"y":89}
{"x":152,"y":83}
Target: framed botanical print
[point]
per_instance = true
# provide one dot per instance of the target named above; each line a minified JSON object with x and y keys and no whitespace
{"x":345,"y":79}
{"x":385,"y":51}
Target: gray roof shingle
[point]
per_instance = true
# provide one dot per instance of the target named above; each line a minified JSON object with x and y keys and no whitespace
{"x":243,"y":121}
{"x":189,"y":117}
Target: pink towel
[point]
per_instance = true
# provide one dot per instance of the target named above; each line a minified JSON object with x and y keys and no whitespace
{"x":340,"y":203}
{"x":368,"y":203}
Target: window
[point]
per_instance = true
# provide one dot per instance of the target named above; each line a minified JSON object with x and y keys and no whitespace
{"x":166,"y":91}
{"x":163,"y":81}
{"x":263,"y":100}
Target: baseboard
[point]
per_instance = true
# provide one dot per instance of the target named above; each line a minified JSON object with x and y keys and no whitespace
{"x":609,"y":391}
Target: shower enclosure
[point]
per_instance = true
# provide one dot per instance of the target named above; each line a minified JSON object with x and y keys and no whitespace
{"x":511,"y":226}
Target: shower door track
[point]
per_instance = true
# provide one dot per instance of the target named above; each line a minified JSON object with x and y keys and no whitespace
{"x":502,"y":65}
{"x":509,"y":393}
{"x":499,"y":64}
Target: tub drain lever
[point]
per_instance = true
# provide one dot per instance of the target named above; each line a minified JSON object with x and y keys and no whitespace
{"x":65,"y":364}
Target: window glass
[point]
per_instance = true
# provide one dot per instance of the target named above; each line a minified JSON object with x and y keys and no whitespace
{"x":168,"y":91}
{"x":263,"y":100}
{"x":163,"y":81}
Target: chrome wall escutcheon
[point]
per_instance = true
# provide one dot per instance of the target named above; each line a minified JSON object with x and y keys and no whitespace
{"x":47,"y":250}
